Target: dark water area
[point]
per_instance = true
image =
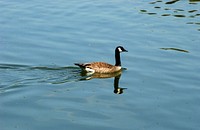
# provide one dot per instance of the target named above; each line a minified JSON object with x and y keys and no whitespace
{"x":174,"y":9}
{"x":41,"y":88}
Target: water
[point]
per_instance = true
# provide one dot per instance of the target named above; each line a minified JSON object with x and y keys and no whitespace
{"x":40,"y":88}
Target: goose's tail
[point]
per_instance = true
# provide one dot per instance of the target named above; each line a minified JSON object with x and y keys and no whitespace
{"x":81,"y":65}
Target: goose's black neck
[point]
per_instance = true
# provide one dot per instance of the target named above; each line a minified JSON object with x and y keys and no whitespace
{"x":117,"y":58}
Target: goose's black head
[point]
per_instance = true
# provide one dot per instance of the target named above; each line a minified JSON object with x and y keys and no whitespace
{"x":120,"y":49}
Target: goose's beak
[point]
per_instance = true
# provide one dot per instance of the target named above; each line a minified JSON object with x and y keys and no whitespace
{"x":125,"y":50}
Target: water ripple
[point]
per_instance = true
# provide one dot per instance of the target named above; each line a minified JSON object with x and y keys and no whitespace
{"x":15,"y":76}
{"x":166,"y":9}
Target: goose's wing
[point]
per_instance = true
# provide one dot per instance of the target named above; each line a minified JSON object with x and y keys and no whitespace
{"x":96,"y":65}
{"x":102,"y":67}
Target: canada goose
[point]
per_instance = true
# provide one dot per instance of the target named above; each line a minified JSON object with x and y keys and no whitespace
{"x":102,"y":67}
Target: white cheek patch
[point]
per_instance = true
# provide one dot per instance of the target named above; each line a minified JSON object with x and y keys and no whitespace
{"x":120,"y":50}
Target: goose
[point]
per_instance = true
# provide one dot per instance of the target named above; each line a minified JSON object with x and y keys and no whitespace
{"x":102,"y":67}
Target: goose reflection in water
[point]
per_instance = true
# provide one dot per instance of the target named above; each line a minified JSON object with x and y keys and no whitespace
{"x":116,"y":75}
